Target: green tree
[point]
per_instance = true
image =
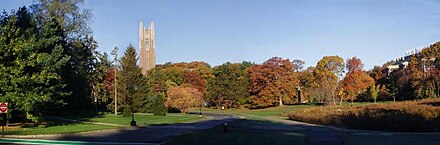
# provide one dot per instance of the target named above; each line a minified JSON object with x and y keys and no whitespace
{"x":229,"y":86}
{"x":31,"y":58}
{"x":373,"y":92}
{"x":77,"y":43}
{"x":132,"y":85}
{"x":102,"y":81}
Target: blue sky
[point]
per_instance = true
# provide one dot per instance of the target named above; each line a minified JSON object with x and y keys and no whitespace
{"x":217,"y":31}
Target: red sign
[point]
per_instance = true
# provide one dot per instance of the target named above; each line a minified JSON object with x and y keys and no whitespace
{"x":3,"y":107}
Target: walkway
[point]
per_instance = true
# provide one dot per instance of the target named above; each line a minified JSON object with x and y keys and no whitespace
{"x":147,"y":134}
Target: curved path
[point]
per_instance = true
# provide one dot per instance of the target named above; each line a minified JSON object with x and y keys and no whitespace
{"x":147,"y":134}
{"x":319,"y":134}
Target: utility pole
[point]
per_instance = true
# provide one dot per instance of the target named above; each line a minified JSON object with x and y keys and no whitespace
{"x":115,"y":55}
{"x":116,"y":94}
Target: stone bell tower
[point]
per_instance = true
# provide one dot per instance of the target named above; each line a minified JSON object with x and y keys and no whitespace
{"x":147,"y":48}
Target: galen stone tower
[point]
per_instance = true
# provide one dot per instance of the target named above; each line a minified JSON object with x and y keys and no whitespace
{"x":147,"y":48}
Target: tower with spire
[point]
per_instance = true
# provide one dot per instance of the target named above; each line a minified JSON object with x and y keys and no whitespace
{"x":147,"y":48}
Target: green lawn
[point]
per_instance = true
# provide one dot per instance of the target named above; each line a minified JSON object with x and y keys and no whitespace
{"x":256,"y":114}
{"x":252,"y":132}
{"x":56,"y":127}
{"x":270,"y":112}
{"x":141,"y":119}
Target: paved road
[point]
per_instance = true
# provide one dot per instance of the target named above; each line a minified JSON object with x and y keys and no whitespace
{"x":148,"y":134}
{"x":319,"y":135}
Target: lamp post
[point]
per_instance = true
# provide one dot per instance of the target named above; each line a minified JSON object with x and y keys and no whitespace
{"x":115,"y":55}
{"x":133,"y":123}
{"x":200,"y":111}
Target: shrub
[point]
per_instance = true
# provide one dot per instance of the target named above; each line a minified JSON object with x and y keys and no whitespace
{"x":158,"y":107}
{"x":415,"y":116}
{"x":126,"y":112}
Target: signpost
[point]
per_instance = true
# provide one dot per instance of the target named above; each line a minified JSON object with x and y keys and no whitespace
{"x":3,"y":111}
{"x":3,"y":107}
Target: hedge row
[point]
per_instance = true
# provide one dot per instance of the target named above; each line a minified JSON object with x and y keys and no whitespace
{"x":414,"y":116}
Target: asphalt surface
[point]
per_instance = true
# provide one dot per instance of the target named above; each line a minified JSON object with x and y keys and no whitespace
{"x":147,"y":134}
{"x":319,"y":135}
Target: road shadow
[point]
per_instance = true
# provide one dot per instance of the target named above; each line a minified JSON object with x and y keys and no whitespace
{"x":244,"y":131}
{"x":146,"y":134}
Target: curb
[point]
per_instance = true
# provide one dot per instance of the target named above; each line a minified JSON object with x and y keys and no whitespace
{"x":58,"y":135}
{"x":32,"y":141}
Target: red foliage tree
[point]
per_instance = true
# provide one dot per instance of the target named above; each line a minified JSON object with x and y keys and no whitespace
{"x":195,"y":80}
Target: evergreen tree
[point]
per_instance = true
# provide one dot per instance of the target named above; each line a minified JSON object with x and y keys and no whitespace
{"x":132,"y":85}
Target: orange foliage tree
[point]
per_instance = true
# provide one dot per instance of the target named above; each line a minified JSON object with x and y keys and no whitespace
{"x":356,"y":80}
{"x":183,"y":97}
{"x":272,"y":82}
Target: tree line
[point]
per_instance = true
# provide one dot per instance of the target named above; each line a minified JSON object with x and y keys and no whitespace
{"x":49,"y":65}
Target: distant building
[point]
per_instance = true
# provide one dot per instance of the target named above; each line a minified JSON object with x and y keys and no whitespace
{"x":147,"y":48}
{"x":402,"y":62}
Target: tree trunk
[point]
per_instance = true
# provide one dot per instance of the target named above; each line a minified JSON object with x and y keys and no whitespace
{"x":334,"y":100}
{"x":340,"y":102}
{"x":281,"y":101}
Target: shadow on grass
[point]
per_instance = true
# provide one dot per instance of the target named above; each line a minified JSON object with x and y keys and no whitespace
{"x":84,"y":115}
{"x":147,"y":134}
{"x":202,"y":132}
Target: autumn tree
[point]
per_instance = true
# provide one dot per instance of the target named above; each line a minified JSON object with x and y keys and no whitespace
{"x":202,"y":68}
{"x":326,"y":77}
{"x":356,"y":80}
{"x":183,"y":97}
{"x":306,"y":82}
{"x":102,"y":81}
{"x":195,"y":80}
{"x":272,"y":82}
